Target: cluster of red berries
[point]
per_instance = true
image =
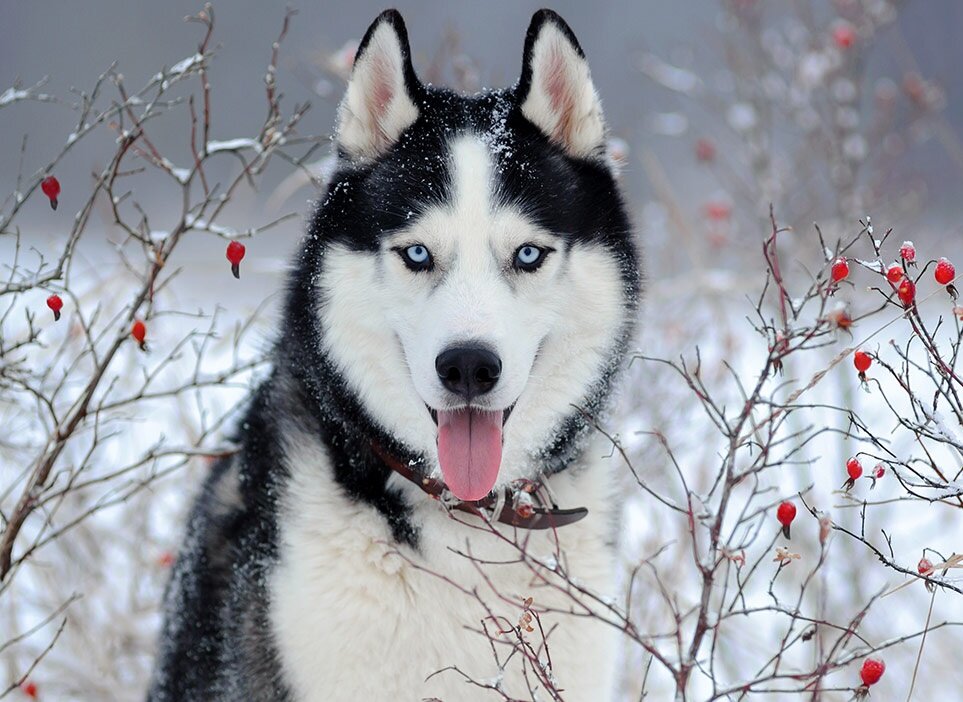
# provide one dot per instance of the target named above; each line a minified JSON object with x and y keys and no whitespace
{"x":854,"y":469}
{"x":895,"y":273}
{"x":944,"y":273}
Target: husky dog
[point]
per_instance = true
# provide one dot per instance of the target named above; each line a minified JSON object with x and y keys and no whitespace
{"x":419,"y":460}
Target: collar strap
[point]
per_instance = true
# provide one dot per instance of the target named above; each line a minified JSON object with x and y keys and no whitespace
{"x":520,"y":505}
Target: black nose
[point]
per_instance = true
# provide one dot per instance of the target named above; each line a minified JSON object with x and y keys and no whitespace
{"x":468,"y":371}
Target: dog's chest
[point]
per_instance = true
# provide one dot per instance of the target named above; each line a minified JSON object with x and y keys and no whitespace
{"x":357,"y":616}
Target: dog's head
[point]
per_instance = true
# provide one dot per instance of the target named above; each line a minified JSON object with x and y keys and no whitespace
{"x":473,"y":265}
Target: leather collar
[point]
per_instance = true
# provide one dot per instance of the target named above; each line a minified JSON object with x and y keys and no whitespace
{"x":521,"y":505}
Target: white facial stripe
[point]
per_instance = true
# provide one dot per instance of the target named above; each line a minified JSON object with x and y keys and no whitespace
{"x":471,"y":180}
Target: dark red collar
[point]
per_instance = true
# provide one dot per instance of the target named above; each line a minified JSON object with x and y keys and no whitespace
{"x":521,"y":505}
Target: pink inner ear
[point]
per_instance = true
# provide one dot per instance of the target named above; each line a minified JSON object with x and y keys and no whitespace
{"x":381,"y":91}
{"x":561,"y":93}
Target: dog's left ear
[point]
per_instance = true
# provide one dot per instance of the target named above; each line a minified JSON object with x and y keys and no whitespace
{"x":556,"y":92}
{"x":380,"y":101}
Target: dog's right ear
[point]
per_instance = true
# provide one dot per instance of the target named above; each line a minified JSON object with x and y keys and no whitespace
{"x":380,"y":101}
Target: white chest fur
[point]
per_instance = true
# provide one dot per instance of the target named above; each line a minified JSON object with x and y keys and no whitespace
{"x":357,"y":617}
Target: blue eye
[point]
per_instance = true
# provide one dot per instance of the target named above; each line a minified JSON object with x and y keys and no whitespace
{"x":417,"y":254}
{"x":416,"y":257}
{"x":529,"y":257}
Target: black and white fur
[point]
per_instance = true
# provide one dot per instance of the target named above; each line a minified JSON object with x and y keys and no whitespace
{"x":309,"y":569}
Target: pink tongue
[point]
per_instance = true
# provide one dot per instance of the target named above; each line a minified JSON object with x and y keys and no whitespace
{"x":469,"y":451}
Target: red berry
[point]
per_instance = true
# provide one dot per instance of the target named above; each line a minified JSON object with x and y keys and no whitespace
{"x":55,"y":304}
{"x":925,"y":566}
{"x":51,"y":188}
{"x":862,"y":361}
{"x":840,"y":269}
{"x":29,"y":688}
{"x":872,"y":670}
{"x":906,"y":292}
{"x":785,"y":513}
{"x":235,"y":253}
{"x":894,"y":273}
{"x":705,"y":150}
{"x":908,"y":251}
{"x":945,"y":272}
{"x":718,"y":211}
{"x":138,"y":331}
{"x":844,"y":35}
{"x":880,"y":471}
{"x":854,"y":468}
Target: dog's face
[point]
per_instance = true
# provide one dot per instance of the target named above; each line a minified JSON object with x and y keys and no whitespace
{"x":478,"y":278}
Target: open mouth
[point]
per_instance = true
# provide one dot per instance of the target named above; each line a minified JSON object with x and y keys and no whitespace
{"x":470,"y":449}
{"x":505,"y":413}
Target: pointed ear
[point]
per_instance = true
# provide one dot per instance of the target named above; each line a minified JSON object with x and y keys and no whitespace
{"x":555,"y":91}
{"x":380,"y":101}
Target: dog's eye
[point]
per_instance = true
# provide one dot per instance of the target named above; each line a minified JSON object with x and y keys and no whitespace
{"x":529,"y":257}
{"x":416,"y":257}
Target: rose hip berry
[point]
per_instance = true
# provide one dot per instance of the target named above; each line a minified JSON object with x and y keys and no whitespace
{"x":894,"y":273}
{"x":235,"y":254}
{"x":844,"y":35}
{"x":908,"y":252}
{"x":718,"y":211}
{"x":872,"y":671}
{"x":880,"y":471}
{"x":51,"y":188}
{"x":862,"y":361}
{"x":705,"y":150}
{"x":906,"y":292}
{"x":840,"y":269}
{"x":925,"y":567}
{"x":138,"y":331}
{"x":29,"y":688}
{"x":945,"y":272}
{"x":855,"y":471}
{"x":785,"y":513}
{"x":55,"y":304}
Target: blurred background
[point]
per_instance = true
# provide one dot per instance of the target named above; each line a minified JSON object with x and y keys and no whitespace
{"x":831,"y":111}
